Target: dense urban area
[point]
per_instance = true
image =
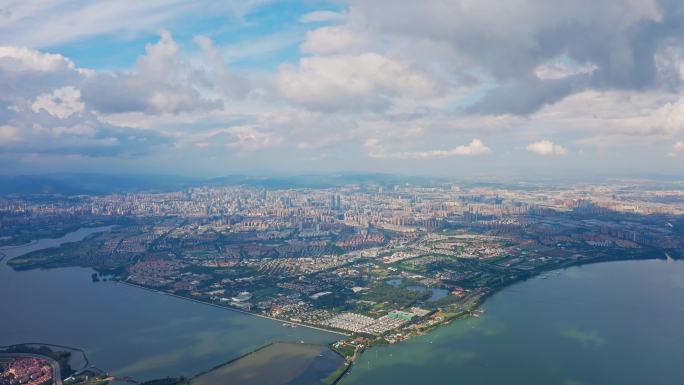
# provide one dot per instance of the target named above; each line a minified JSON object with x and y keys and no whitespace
{"x":25,"y":371}
{"x":32,"y":364}
{"x":376,"y":263}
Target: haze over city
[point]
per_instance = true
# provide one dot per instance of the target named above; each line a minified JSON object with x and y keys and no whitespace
{"x":526,"y":88}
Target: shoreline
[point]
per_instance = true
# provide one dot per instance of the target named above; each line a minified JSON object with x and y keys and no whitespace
{"x":475,"y":306}
{"x":469,"y":311}
{"x":465,"y":313}
{"x":231,"y":309}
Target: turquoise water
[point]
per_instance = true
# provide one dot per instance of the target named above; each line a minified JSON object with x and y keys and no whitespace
{"x":125,"y":330}
{"x":612,"y":323}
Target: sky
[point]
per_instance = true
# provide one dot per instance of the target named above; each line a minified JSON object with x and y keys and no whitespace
{"x":521,"y":88}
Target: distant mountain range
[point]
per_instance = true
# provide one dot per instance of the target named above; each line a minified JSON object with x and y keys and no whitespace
{"x":69,"y":184}
{"x":101,"y":184}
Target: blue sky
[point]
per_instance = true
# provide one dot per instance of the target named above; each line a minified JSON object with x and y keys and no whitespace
{"x":536,"y":88}
{"x":110,"y":52}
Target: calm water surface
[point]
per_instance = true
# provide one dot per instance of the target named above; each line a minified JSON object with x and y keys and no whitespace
{"x":125,"y":330}
{"x":612,"y":323}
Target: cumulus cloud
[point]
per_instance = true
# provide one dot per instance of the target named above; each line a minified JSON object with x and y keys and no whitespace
{"x":546,"y":147}
{"x":163,"y":83}
{"x":42,"y":111}
{"x":26,"y":72}
{"x":595,"y":72}
{"x":527,"y":47}
{"x":475,"y":147}
{"x":215,"y":73}
{"x":22,"y":59}
{"x":365,"y":81}
{"x":62,"y":102}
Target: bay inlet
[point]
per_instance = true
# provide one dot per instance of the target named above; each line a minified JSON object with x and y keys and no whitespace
{"x":606,"y":323}
{"x":125,"y":330}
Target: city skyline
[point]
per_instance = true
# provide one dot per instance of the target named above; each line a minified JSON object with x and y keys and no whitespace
{"x":532,"y":89}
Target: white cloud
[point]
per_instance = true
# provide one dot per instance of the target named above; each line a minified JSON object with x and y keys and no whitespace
{"x":248,"y":138}
{"x":376,"y":150}
{"x":476,"y":147}
{"x":321,"y":16}
{"x":338,"y":39}
{"x":20,"y":59}
{"x":216,"y":71}
{"x":366,"y":81}
{"x":26,"y":73}
{"x":162,"y":82}
{"x":371,"y":71}
{"x":62,"y":102}
{"x":669,"y":117}
{"x":42,"y":112}
{"x":546,"y":147}
{"x":503,"y":44}
{"x":9,"y":134}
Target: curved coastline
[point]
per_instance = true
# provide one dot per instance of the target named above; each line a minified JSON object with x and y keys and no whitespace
{"x":474,"y":306}
{"x":576,"y":312}
{"x":477,"y":305}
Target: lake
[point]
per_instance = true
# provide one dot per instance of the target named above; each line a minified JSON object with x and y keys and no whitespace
{"x":435,"y":293}
{"x":125,"y":330}
{"x":610,"y":323}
